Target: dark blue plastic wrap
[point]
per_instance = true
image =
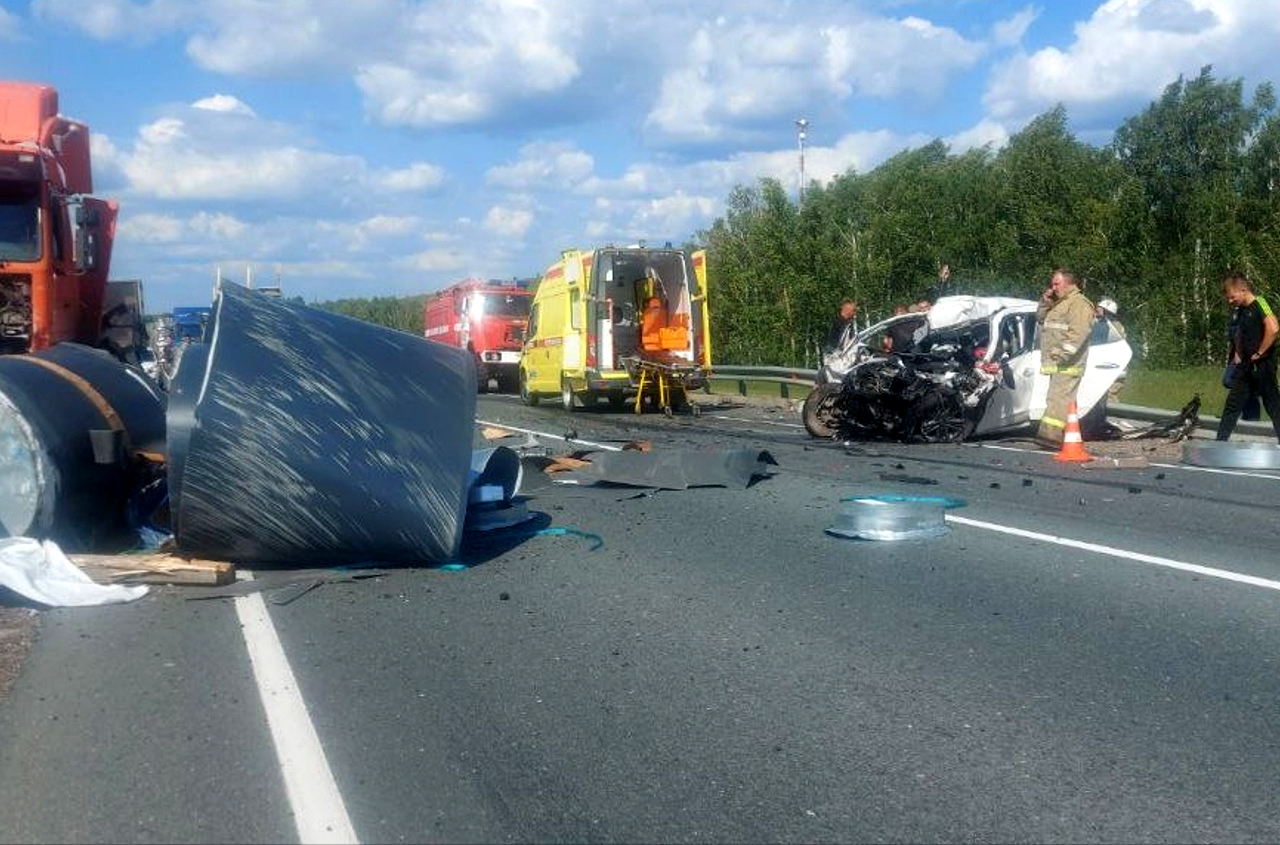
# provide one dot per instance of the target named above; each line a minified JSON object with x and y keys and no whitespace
{"x":301,"y":437}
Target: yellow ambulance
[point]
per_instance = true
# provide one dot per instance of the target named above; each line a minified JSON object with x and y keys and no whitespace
{"x":598,"y":313}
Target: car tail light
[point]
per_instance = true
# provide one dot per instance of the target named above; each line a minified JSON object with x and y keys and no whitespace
{"x":591,"y":351}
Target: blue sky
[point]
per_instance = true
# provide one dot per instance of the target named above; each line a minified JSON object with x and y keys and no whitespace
{"x":390,"y":147}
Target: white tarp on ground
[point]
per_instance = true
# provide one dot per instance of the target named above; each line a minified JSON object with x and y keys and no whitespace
{"x":39,"y":571}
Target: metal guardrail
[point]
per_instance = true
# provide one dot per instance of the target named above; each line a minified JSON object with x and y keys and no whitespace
{"x":795,"y":383}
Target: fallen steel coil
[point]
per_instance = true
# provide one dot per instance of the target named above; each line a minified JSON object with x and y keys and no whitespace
{"x":301,"y":436}
{"x":72,"y":418}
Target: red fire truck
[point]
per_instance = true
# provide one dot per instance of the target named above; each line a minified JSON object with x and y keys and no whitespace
{"x":486,"y":317}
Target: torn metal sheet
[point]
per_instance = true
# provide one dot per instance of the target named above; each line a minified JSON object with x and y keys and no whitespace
{"x":73,"y":422}
{"x":893,"y":517}
{"x":301,"y":436}
{"x":1231,"y":455}
{"x":675,"y":470}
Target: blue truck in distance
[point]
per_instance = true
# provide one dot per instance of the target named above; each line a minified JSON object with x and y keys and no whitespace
{"x":189,"y":322}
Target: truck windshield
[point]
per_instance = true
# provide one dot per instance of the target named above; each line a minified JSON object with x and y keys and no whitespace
{"x":506,"y":305}
{"x":19,"y":227}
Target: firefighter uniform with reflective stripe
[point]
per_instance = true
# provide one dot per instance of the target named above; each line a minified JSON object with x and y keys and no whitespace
{"x":1065,"y":324}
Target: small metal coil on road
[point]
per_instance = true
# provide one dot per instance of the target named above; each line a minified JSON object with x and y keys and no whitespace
{"x":1229,"y":455}
{"x":893,"y":517}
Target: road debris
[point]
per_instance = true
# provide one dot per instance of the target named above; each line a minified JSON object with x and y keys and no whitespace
{"x":40,"y":571}
{"x":673,"y":470}
{"x":893,"y":517}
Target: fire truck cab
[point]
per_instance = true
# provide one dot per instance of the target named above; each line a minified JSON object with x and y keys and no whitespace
{"x":487,"y":318}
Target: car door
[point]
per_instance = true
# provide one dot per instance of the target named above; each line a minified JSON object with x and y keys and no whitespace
{"x":1105,"y":363}
{"x":1017,"y":351}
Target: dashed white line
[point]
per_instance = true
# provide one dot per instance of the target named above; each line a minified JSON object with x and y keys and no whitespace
{"x":1112,"y":551}
{"x":318,"y":810}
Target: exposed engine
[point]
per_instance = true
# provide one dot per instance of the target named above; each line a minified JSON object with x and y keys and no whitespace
{"x":15,"y":312}
{"x":936,"y":395}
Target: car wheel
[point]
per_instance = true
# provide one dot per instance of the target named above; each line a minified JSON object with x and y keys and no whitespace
{"x":939,"y":417}
{"x":527,"y":396}
{"x":820,"y":414}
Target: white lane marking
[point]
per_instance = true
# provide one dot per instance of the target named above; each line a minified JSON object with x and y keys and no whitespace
{"x":1097,"y":548}
{"x":552,"y":436}
{"x":1218,"y":471}
{"x":761,"y":422}
{"x":318,"y":810}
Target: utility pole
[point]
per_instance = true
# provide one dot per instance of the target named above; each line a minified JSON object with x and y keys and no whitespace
{"x":802,"y":127}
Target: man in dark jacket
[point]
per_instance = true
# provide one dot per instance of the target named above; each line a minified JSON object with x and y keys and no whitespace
{"x":848,"y":310}
{"x":1253,"y":353}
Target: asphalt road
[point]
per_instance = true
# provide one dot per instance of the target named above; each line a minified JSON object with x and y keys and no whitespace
{"x":719,"y":669}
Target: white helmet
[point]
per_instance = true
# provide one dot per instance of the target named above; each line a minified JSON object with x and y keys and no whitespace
{"x":1108,"y":305}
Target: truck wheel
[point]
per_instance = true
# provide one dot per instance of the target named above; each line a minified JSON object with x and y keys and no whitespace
{"x":527,"y":396}
{"x":820,"y":416}
{"x":568,"y":398}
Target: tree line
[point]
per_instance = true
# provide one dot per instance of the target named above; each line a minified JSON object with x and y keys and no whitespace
{"x":1187,"y":189}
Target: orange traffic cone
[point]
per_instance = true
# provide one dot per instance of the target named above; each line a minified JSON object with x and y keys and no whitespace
{"x":1072,"y":443}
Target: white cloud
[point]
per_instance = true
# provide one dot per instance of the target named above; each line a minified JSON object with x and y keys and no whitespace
{"x":167,"y":162}
{"x":544,"y":164}
{"x":150,"y":228}
{"x":508,"y":222}
{"x":1129,"y":50}
{"x":760,"y":67}
{"x":382,"y":225}
{"x":982,"y":134}
{"x":416,"y":178}
{"x":679,"y":212}
{"x":10,"y":26}
{"x":225,"y":103}
{"x":170,"y":229}
{"x":1010,"y":31}
{"x":222,"y":151}
{"x":116,"y":19}
{"x":438,"y":261}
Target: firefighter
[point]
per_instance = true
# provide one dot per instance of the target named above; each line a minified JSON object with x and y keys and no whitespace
{"x":1065,"y":316}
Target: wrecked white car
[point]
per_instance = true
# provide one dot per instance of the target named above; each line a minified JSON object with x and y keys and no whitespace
{"x":969,"y":366}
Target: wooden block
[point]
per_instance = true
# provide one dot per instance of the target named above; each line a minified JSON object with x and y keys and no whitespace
{"x":154,"y":568}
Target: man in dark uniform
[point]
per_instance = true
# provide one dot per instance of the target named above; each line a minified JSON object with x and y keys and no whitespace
{"x":1253,"y":354}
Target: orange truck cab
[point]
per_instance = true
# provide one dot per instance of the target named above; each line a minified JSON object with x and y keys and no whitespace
{"x":487,"y":318}
{"x":55,"y":239}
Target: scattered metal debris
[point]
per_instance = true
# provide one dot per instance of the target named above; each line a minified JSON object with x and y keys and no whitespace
{"x":1177,"y":428}
{"x":904,"y":478}
{"x":674,"y":470}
